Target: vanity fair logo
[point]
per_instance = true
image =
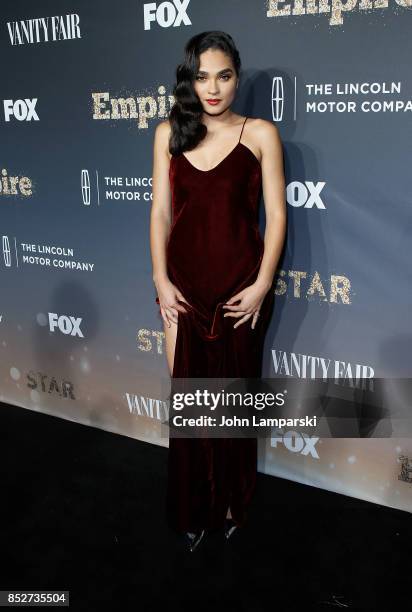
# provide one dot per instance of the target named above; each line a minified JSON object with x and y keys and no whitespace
{"x":335,"y":8}
{"x":166,"y":14}
{"x":298,"y":365}
{"x":147,"y":406}
{"x":342,"y":97}
{"x":21,"y":110}
{"x":44,"y":29}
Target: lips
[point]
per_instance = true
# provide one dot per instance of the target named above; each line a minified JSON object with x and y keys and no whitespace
{"x":213,"y":101}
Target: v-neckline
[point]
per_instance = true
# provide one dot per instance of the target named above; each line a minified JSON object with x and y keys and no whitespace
{"x":217,"y":165}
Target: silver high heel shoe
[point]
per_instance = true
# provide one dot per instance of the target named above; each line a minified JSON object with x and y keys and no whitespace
{"x":193,"y":539}
{"x":230,"y":527}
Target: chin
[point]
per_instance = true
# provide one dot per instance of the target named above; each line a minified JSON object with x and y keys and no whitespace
{"x":211,"y":109}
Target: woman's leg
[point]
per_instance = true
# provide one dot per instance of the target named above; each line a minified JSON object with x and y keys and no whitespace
{"x":170,"y":339}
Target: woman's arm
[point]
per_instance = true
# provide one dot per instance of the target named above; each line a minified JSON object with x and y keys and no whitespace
{"x":273,"y":181}
{"x":161,"y":214}
{"x":160,"y":224}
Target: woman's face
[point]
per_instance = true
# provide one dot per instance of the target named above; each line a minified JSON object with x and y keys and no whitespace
{"x":216,"y":80}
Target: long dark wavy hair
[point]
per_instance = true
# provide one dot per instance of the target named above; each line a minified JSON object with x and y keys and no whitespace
{"x":187,"y":130}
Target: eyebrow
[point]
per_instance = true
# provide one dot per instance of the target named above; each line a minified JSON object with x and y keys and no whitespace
{"x":220,"y":71}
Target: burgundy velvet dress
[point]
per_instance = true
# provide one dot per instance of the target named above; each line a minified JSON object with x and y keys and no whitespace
{"x":214,"y":251}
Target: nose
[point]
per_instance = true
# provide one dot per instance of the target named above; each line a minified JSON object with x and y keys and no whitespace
{"x":212,"y":89}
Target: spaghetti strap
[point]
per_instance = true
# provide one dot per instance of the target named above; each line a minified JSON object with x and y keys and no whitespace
{"x":242,"y":128}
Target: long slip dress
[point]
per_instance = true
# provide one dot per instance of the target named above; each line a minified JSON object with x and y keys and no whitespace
{"x":214,"y":250}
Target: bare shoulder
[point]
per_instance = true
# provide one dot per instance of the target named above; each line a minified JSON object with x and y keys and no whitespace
{"x":263,"y":138}
{"x":266,"y":132}
{"x":267,"y":140}
{"x":163,"y":128}
{"x":162,"y":135}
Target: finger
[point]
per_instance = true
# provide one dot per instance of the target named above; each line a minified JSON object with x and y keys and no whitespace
{"x":233,"y":308}
{"x":235,"y":314}
{"x":171,"y":314}
{"x":174,"y":315}
{"x":235,"y":298}
{"x":179,"y":307}
{"x":245,"y":318}
{"x":182,"y":297}
{"x":255,"y":319}
{"x":175,"y":311}
{"x":165,"y":317}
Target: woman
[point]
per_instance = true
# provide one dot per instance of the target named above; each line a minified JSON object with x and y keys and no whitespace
{"x":212,"y":270}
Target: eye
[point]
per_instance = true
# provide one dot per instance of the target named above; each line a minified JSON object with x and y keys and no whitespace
{"x":225,"y":77}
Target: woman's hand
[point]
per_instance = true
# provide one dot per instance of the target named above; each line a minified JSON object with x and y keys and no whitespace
{"x":168,"y":294}
{"x":251,"y":299}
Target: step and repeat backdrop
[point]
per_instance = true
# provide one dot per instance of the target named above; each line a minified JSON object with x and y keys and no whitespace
{"x":84,"y":85}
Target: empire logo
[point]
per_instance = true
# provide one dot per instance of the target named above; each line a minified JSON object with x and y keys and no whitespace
{"x":15,"y":185}
{"x":141,"y":108}
{"x":336,"y":8}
